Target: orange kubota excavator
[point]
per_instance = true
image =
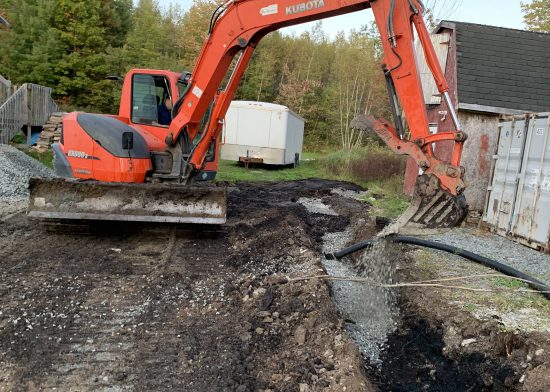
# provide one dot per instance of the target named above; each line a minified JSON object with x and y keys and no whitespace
{"x":139,"y":168}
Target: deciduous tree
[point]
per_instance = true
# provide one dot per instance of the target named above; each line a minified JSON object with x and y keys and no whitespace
{"x":537,"y":15}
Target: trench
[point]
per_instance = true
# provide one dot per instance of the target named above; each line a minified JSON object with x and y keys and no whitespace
{"x":402,"y":351}
{"x":415,"y":361}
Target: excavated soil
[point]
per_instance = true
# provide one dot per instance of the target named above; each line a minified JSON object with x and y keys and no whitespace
{"x":152,"y":308}
{"x":169,"y":308}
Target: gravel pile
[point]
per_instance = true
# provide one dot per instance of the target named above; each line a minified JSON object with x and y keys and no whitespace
{"x":15,"y":170}
{"x":530,"y":261}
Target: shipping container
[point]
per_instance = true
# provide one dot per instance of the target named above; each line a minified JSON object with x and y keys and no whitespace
{"x":262,"y":132}
{"x":518,"y":200}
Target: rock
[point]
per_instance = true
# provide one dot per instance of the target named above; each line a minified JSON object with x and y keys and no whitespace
{"x":120,"y":376}
{"x":304,"y":388}
{"x":467,"y":342}
{"x":242,"y":388}
{"x":290,"y":241}
{"x":245,"y":337}
{"x":300,"y":335}
{"x":258,"y":292}
{"x":539,"y":352}
{"x":260,"y":331}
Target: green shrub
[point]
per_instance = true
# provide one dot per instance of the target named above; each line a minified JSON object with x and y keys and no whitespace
{"x":366,"y":164}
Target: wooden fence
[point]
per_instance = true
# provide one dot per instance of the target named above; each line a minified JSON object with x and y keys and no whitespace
{"x":6,"y":89}
{"x":29,"y":106}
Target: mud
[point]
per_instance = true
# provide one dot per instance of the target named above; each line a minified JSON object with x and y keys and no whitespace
{"x":156,"y":307}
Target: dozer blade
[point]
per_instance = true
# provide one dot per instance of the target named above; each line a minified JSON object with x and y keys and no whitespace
{"x":432,"y":210}
{"x":70,"y":200}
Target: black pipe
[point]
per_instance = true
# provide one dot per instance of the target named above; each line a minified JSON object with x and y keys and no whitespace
{"x":534,"y":283}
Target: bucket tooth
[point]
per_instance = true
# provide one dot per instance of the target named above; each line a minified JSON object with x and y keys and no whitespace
{"x":432,"y":210}
{"x":74,"y":200}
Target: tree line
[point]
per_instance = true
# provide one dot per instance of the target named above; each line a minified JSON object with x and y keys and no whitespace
{"x":72,"y":45}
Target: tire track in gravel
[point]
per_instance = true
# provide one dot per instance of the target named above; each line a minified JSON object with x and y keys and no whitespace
{"x":95,"y":348}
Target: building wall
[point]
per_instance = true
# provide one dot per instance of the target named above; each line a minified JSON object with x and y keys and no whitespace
{"x":482,"y":131}
{"x":477,"y":156}
{"x":439,"y":114}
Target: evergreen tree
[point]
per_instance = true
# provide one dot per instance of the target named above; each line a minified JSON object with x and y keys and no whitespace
{"x":64,"y":44}
{"x":153,"y":40}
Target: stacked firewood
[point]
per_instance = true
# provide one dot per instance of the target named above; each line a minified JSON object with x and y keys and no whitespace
{"x":51,"y":132}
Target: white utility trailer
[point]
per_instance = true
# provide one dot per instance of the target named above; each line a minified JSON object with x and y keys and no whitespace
{"x":260,"y":132}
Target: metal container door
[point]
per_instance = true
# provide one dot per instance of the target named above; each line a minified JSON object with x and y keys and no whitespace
{"x":532,"y":209}
{"x":507,"y":168}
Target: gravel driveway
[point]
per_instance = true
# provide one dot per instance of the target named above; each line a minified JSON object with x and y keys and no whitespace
{"x":15,"y":170}
{"x":501,"y":249}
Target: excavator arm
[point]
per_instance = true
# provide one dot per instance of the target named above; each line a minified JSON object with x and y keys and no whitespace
{"x":237,"y":27}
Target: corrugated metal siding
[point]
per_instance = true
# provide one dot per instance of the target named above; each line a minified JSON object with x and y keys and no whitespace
{"x":519,"y":198}
{"x":441,"y":46}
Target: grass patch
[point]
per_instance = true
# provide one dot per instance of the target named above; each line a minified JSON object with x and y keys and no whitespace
{"x":374,"y":168}
{"x":309,"y":167}
{"x":377,"y":169}
{"x":515,"y":302}
{"x":499,"y":282}
{"x":391,"y":206}
{"x":470,"y":307}
{"x":44,"y":157}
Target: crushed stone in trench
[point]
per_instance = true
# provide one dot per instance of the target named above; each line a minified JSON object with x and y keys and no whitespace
{"x":370,"y":312}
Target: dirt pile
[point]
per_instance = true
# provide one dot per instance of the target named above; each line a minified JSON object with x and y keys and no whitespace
{"x":15,"y":170}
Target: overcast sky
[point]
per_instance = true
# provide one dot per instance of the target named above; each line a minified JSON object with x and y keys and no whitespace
{"x":503,"y":13}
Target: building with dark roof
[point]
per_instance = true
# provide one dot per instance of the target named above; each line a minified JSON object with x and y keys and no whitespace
{"x":491,"y":71}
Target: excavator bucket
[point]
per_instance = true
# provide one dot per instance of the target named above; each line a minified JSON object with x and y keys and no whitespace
{"x":432,"y":209}
{"x":73,"y":200}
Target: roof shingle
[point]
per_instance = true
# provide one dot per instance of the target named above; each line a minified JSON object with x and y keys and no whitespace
{"x":503,"y":68}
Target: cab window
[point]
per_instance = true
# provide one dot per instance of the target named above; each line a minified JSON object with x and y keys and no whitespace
{"x":151,"y":100}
